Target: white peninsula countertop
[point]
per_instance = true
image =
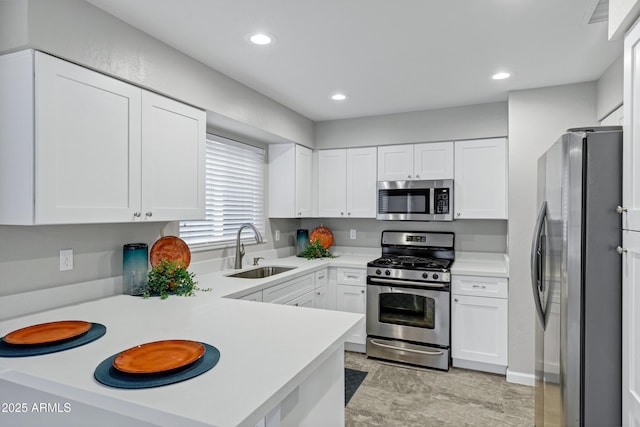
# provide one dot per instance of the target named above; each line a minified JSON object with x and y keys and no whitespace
{"x":267,"y":354}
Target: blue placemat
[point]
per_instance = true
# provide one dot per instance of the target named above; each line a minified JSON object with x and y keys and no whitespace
{"x":12,"y":350}
{"x":108,"y":375}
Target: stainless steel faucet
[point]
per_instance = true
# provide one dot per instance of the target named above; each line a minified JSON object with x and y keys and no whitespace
{"x":240,"y":246}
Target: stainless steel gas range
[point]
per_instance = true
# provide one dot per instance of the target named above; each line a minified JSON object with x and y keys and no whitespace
{"x":408,"y":298}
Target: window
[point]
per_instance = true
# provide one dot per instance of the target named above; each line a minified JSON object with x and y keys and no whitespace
{"x":234,"y":194}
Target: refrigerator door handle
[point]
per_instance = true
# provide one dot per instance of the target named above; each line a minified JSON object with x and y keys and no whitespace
{"x":537,"y":250}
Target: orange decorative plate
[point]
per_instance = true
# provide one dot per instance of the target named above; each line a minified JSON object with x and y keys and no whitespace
{"x":45,"y":333}
{"x":323,"y":234}
{"x":170,"y":248}
{"x":158,"y":356}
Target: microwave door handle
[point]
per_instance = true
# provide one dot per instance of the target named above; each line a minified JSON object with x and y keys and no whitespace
{"x":537,"y":248}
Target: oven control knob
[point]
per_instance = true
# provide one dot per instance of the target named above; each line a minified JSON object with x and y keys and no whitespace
{"x":378,"y":271}
{"x":435,"y":276}
{"x":425,"y":275}
{"x":387,"y":273}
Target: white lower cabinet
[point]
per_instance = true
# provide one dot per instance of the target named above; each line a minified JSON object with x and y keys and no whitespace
{"x":256,"y":296}
{"x":289,"y":290}
{"x":479,"y":323}
{"x":351,"y":296}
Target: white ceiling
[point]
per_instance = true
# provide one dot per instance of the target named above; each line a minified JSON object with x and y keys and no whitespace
{"x":388,"y":56}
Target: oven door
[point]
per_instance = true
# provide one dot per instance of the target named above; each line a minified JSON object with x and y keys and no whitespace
{"x":410,"y":314}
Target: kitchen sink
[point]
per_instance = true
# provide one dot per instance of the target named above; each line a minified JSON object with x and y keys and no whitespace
{"x":261,"y":272}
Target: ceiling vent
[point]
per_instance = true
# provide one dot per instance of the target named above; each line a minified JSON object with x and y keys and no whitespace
{"x":600,"y":12}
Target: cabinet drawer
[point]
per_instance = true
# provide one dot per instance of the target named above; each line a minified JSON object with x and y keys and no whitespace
{"x":321,"y":278}
{"x":494,"y":287}
{"x":352,"y":276}
{"x":288,"y":290}
{"x":256,"y":296}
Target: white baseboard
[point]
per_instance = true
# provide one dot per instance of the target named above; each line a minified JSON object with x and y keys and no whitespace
{"x":520,"y":378}
{"x":479,"y":366}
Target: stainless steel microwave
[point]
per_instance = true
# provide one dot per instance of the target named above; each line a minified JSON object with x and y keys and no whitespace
{"x":426,"y":200}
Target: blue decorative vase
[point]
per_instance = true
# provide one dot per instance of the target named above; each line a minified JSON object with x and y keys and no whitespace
{"x":135,"y":268}
{"x":302,"y":241}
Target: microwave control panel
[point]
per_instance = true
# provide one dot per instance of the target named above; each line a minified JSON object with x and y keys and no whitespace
{"x":441,"y":200}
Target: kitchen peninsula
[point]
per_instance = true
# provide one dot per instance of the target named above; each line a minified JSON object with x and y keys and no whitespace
{"x":269,"y":368}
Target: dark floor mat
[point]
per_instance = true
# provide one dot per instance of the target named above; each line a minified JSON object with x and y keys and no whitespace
{"x":352,"y":380}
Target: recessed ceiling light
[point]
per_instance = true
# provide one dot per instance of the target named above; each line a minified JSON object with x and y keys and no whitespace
{"x":501,"y":76}
{"x":338,"y":96}
{"x":261,"y":39}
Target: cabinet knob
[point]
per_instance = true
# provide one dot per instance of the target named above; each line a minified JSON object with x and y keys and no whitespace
{"x":317,"y":293}
{"x":621,"y":250}
{"x":299,"y":213}
{"x":417,"y":176}
{"x":458,"y":214}
{"x":341,"y":213}
{"x":349,"y":213}
{"x":621,"y":210}
{"x":149,"y":214}
{"x":137,"y":214}
{"x":455,"y":299}
{"x":409,"y":176}
{"x":362,"y":291}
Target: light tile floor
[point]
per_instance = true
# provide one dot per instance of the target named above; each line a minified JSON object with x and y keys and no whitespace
{"x":394,"y":395}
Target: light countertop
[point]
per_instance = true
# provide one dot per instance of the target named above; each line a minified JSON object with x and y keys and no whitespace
{"x":481,"y":264}
{"x":266,"y":351}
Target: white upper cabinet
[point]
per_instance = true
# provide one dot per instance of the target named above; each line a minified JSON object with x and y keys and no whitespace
{"x":173,"y":176}
{"x":100,"y":152}
{"x":481,"y":179}
{"x":631,"y":135}
{"x":347,"y":183}
{"x":432,"y":160}
{"x":290,"y":181}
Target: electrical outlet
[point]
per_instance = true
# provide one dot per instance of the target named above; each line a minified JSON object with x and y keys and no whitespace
{"x":66,"y":259}
{"x":352,"y":234}
{"x":277,"y":235}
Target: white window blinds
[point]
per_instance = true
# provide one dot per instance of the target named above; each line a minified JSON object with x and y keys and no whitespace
{"x":234,"y":194}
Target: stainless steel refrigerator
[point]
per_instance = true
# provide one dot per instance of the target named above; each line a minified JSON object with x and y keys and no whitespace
{"x":576,"y":279}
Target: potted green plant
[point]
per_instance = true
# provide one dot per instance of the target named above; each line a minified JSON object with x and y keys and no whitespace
{"x":316,"y":250}
{"x":170,"y":277}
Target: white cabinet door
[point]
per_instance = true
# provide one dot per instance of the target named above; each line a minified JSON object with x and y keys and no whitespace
{"x":481,"y":179}
{"x":88,"y":145}
{"x":631,"y":329}
{"x":395,"y":162}
{"x":361,"y":182}
{"x":304,"y":174}
{"x":256,"y":296}
{"x":290,"y":181}
{"x":173,"y":144}
{"x":433,"y":160}
{"x":332,"y":176}
{"x":320,"y":298}
{"x":306,"y":300}
{"x":631,"y":136}
{"x":353,"y":299}
{"x":479,"y":329}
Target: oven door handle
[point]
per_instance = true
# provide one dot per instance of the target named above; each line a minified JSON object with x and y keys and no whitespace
{"x":407,"y":282}
{"x":410,"y":350}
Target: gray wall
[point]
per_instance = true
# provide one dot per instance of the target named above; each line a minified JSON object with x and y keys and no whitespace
{"x":471,"y":235}
{"x":537,"y":117}
{"x":468,"y":122}
{"x":82,"y":33}
{"x":610,"y":89}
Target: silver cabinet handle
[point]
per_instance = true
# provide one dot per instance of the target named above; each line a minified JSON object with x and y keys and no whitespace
{"x":621,"y":210}
{"x":621,"y":250}
{"x":352,"y":277}
{"x":148,"y":214}
{"x":317,"y":293}
{"x":410,"y":350}
{"x":405,"y":282}
{"x":479,"y":286}
{"x":137,"y":214}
